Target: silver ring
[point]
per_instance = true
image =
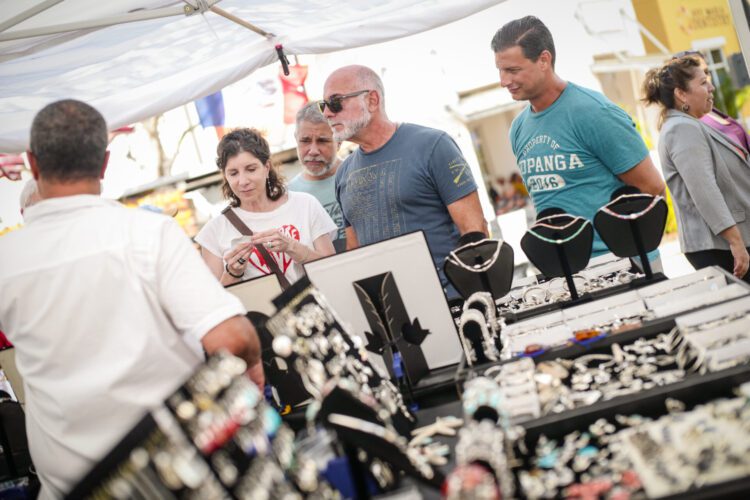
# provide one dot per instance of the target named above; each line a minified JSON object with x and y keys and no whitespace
{"x":241,"y":261}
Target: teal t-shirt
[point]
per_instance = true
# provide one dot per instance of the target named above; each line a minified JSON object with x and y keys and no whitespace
{"x":571,"y":153}
{"x":325,"y":191}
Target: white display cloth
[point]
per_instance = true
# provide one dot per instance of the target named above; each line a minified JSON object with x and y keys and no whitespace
{"x":131,"y":71}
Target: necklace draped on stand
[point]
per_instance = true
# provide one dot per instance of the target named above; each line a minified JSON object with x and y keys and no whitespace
{"x":559,"y":246}
{"x":482,"y":272}
{"x":481,"y":266}
{"x":632,"y":225}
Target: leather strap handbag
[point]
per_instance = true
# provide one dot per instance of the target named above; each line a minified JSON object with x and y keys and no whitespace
{"x":246,"y":231}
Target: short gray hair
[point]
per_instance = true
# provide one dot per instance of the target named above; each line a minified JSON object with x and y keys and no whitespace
{"x":310,"y":113}
{"x":370,"y":80}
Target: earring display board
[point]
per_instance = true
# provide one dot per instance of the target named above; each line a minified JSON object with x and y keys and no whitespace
{"x":408,"y":260}
{"x":632,"y":225}
{"x":214,"y":437}
{"x":257,"y":294}
{"x":393,"y":332}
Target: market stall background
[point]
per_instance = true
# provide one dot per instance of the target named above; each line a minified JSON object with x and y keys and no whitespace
{"x":131,"y":65}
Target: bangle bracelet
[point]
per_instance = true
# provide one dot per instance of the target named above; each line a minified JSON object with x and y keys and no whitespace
{"x":226,"y":268}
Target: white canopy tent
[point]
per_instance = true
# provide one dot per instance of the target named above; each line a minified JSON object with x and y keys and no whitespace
{"x":132,"y":59}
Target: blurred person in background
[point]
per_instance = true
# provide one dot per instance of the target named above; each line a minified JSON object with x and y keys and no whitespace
{"x":707,"y":173}
{"x":715,"y":118}
{"x":316,"y":150}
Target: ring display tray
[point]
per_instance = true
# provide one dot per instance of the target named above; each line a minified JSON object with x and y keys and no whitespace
{"x":601,"y":270}
{"x":734,"y":289}
{"x":692,"y":391}
{"x":649,"y":329}
{"x":663,"y":300}
{"x":583,"y":298}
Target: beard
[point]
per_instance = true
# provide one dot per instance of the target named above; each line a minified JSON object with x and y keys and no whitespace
{"x":353,"y":126}
{"x":320,"y":172}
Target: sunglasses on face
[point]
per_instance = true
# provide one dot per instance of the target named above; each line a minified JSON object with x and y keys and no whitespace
{"x":334,"y":102}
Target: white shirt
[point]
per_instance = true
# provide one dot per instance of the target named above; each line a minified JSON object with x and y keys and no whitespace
{"x":302,"y":218}
{"x":106,"y":307}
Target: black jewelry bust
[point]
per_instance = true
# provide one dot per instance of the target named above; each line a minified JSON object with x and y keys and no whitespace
{"x":632,"y":225}
{"x":481,"y":266}
{"x":559,"y":245}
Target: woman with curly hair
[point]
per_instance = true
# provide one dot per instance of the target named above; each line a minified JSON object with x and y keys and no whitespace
{"x":293,"y":227}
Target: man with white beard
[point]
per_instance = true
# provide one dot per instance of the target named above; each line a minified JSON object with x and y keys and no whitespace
{"x":316,"y":149}
{"x":403,"y":177}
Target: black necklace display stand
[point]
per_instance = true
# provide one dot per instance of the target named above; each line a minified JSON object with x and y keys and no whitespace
{"x":632,"y":225}
{"x":394,"y":336}
{"x":482,"y":266}
{"x":559,"y":246}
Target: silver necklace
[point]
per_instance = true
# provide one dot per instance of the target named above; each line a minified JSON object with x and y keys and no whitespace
{"x":454,"y":259}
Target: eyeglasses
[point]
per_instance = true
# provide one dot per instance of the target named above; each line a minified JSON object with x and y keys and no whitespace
{"x":334,"y":102}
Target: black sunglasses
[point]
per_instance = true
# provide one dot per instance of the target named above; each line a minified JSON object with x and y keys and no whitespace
{"x":334,"y":102}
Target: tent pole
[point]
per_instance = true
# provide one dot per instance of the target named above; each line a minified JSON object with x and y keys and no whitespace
{"x":240,"y":21}
{"x":27,"y":14}
{"x":141,"y":15}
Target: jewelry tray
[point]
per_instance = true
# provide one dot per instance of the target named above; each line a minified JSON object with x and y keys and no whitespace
{"x":443,"y":384}
{"x":583,"y":298}
{"x":692,"y":391}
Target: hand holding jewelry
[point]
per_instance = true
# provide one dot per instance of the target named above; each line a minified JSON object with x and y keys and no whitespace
{"x":236,"y":259}
{"x":274,"y":240}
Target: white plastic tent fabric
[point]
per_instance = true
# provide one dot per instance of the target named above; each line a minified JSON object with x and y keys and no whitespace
{"x":92,"y":50}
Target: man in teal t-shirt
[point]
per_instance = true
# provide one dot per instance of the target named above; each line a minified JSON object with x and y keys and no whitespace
{"x":316,"y":149}
{"x":574,"y":147}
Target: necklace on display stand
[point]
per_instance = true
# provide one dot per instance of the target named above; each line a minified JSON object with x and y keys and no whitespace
{"x":481,"y":266}
{"x":559,"y":246}
{"x":632,"y":225}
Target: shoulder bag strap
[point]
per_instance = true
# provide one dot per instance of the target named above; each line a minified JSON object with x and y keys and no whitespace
{"x":243,"y":229}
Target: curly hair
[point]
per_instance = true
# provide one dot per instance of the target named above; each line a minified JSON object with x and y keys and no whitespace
{"x":250,"y":141}
{"x":660,"y":83}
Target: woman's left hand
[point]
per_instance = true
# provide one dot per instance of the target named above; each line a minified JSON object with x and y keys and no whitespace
{"x":741,"y":260}
{"x":273,"y":240}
